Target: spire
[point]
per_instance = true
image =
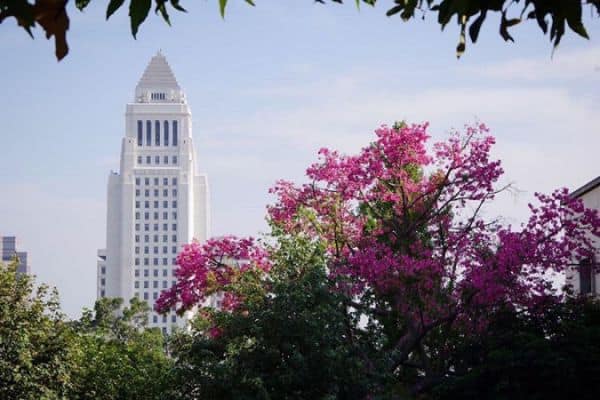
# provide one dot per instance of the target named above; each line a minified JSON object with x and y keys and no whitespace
{"x":158,"y":75}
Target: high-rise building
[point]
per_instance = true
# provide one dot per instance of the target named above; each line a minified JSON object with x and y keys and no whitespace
{"x":158,"y":201}
{"x":8,"y":250}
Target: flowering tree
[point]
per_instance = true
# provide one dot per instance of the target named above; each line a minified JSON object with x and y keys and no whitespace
{"x":406,"y":243}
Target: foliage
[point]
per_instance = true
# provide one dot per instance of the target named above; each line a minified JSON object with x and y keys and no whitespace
{"x":549,"y":355}
{"x":296,"y":342}
{"x":118,"y":357}
{"x":35,"y":343}
{"x":551,"y":16}
{"x":405,"y":241}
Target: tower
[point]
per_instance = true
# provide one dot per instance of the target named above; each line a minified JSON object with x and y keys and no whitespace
{"x":158,"y":201}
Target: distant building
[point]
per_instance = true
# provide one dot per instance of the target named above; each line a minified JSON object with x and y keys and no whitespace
{"x":157,"y":201}
{"x":8,"y":249}
{"x":585,"y":279}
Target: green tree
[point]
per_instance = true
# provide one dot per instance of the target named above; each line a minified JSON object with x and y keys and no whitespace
{"x":552,"y":17}
{"x":551,"y":355}
{"x":118,"y":356}
{"x":35,"y":343}
{"x":295,"y":341}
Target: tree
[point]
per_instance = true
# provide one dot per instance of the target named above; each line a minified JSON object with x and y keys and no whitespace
{"x":552,"y":17}
{"x":35,"y":343}
{"x":406,"y":242}
{"x":293,"y":343}
{"x":549,"y":355}
{"x":118,"y":356}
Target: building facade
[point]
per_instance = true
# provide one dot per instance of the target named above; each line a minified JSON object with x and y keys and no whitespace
{"x":8,"y":250}
{"x":157,"y":201}
{"x":585,"y":277}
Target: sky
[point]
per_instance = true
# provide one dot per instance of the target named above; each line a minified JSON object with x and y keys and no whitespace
{"x":268,"y":86}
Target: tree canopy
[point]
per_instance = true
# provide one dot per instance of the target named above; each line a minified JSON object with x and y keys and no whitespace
{"x":552,"y":17}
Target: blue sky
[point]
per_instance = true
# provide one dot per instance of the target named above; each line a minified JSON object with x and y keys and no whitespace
{"x":268,"y":86}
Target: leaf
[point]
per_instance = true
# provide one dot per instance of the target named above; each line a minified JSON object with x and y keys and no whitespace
{"x":175,"y":5}
{"x":138,"y":11}
{"x":113,"y":6}
{"x":52,"y":17}
{"x":222,"y":5}
{"x":476,"y":26}
{"x":81,"y":4}
{"x":162,"y":9}
{"x":394,"y":10}
{"x":251,"y":3}
{"x":573,"y":16}
{"x":505,"y":24}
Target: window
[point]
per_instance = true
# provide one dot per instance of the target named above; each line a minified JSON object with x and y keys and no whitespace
{"x":157,"y":133}
{"x":165,"y":226}
{"x":174,"y":248}
{"x":136,"y":285}
{"x":165,"y":181}
{"x":155,"y":261}
{"x":165,"y":204}
{"x":137,"y":192}
{"x":165,"y":215}
{"x":165,"y":238}
{"x":146,"y":238}
{"x":146,"y":249}
{"x":147,"y":204}
{"x":145,"y":284}
{"x":137,"y":227}
{"x":155,"y":249}
{"x":137,"y":273}
{"x":145,"y":296}
{"x":156,"y":271}
{"x":174,"y":238}
{"x":174,"y":227}
{"x":165,"y":249}
{"x":156,"y":191}
{"x":157,"y":160}
{"x":103,"y":269}
{"x":155,"y":295}
{"x":146,"y":215}
{"x":165,"y":272}
{"x":166,"y":126}
{"x":155,"y":238}
{"x":103,"y":281}
{"x":102,"y":293}
{"x":174,"y":215}
{"x":174,"y":203}
{"x":146,"y":273}
{"x":174,"y":192}
{"x":164,"y":284}
{"x":139,"y":159}
{"x":137,"y":250}
{"x":155,"y":284}
{"x":165,"y":192}
{"x":156,"y":183}
{"x":137,"y":181}
{"x":166,"y":159}
{"x":155,"y":215}
{"x":155,"y":227}
{"x":148,"y":160}
{"x":175,"y":131}
{"x":137,"y":215}
{"x":175,"y":160}
{"x":586,"y":278}
{"x":140,"y":134}
{"x":137,"y":238}
{"x":148,"y":133}
{"x":147,"y":180}
{"x":147,"y":193}
{"x":164,"y":319}
{"x":137,"y":204}
{"x":164,"y":330}
{"x":155,"y":319}
{"x":137,"y":261}
{"x":173,"y":318}
{"x":155,"y":203}
{"x":174,"y":181}
{"x":146,"y":261}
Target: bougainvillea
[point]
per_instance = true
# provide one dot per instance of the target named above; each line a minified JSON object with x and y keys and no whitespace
{"x":406,"y":240}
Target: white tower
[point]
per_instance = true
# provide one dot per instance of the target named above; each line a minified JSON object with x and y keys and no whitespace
{"x":158,"y":201}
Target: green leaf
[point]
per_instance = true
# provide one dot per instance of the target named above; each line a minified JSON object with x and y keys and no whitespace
{"x":476,"y":26}
{"x":138,"y":11}
{"x":175,"y":5}
{"x":81,"y":4}
{"x":251,"y":3}
{"x":394,"y":10}
{"x":113,"y":6}
{"x":162,"y":9}
{"x":222,"y":5}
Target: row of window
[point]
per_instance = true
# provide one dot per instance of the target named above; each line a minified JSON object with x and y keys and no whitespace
{"x":165,"y":250}
{"x":156,"y":181}
{"x":155,"y":284}
{"x":165,"y":204}
{"x":165,"y":215}
{"x":146,"y":296}
{"x":164,"y":320}
{"x":157,"y":135}
{"x":165,"y":238}
{"x":155,"y":272}
{"x":155,"y":261}
{"x":165,"y":159}
{"x":155,"y":227}
{"x":165,"y":192}
{"x":158,"y":96}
